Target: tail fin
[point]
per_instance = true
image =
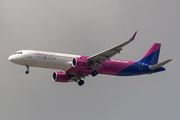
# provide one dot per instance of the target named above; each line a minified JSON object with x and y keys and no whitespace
{"x":152,"y":56}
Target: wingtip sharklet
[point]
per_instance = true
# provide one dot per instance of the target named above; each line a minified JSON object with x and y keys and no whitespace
{"x":134,"y":36}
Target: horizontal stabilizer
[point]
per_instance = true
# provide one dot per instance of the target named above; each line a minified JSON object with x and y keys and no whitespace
{"x":159,"y":64}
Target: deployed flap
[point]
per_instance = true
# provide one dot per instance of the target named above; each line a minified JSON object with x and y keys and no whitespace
{"x":99,"y":58}
{"x":159,"y":64}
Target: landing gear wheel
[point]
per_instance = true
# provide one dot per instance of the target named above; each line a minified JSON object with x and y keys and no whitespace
{"x":81,"y":82}
{"x":94,"y":73}
{"x":27,"y":72}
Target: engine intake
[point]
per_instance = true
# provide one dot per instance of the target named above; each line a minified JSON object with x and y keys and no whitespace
{"x":60,"y":77}
{"x":80,"y":63}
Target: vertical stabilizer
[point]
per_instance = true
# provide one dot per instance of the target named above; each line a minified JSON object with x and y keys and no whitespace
{"x":152,"y":56}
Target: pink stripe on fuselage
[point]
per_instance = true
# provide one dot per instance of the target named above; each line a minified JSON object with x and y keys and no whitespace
{"x":114,"y":66}
{"x":155,"y":47}
{"x":111,"y":67}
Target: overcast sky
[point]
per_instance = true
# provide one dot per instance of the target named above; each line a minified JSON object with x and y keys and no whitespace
{"x":86,"y":27}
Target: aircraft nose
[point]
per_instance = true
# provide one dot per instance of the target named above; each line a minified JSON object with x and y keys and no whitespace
{"x":12,"y":58}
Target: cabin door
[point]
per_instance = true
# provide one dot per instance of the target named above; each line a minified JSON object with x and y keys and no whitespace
{"x":140,"y":66}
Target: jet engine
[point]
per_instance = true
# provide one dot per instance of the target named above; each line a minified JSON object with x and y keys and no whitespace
{"x":61,"y":77}
{"x":80,"y":63}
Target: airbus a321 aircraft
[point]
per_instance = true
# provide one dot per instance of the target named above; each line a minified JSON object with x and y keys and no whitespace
{"x":76,"y":67}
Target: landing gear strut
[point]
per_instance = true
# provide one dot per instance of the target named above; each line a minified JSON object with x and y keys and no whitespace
{"x":94,"y":73}
{"x":27,"y":71}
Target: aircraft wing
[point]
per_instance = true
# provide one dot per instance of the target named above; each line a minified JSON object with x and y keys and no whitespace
{"x":75,"y":77}
{"x":97,"y":59}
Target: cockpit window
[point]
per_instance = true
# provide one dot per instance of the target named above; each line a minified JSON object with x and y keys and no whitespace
{"x":18,"y":53}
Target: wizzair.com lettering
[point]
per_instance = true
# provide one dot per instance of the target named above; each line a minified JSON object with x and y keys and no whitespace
{"x":74,"y":68}
{"x":45,"y":56}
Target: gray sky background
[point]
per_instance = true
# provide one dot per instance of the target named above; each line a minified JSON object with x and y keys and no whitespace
{"x":88,"y":27}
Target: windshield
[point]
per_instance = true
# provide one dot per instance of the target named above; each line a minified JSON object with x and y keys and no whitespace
{"x":18,"y":53}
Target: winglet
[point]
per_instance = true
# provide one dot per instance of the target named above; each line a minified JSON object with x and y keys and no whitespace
{"x":134,"y":36}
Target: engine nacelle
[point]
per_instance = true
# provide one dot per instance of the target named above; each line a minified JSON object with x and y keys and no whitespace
{"x":60,"y":77}
{"x":80,"y":63}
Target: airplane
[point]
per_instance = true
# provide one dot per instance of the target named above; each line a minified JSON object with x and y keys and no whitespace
{"x":76,"y":67}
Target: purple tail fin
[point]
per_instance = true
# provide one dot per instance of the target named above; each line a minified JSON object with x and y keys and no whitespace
{"x":152,"y":56}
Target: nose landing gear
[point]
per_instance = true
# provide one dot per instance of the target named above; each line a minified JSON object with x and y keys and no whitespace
{"x":27,"y":71}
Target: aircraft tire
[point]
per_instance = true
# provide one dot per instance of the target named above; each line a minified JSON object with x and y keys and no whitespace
{"x":27,"y":72}
{"x":94,"y":73}
{"x":81,"y":82}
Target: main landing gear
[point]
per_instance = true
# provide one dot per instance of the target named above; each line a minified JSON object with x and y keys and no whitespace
{"x":94,"y":73}
{"x":81,"y":82}
{"x":27,"y":71}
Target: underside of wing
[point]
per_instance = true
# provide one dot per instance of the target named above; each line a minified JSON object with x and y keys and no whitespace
{"x":75,"y":77}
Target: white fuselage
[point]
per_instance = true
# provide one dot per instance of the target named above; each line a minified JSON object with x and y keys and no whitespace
{"x":43,"y":59}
